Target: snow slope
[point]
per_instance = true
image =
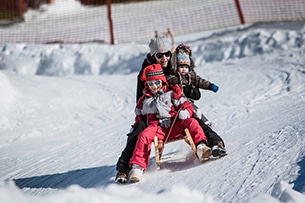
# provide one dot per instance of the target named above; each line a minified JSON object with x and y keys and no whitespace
{"x":65,"y":110}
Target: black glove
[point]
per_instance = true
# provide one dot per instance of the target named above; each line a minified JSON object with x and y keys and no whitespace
{"x":165,"y":122}
{"x":191,"y":92}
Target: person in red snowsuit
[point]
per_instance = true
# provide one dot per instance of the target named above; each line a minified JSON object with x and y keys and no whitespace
{"x":159,"y":105}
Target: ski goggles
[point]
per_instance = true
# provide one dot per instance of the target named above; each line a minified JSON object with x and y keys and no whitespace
{"x":160,"y":55}
{"x":154,"y":82}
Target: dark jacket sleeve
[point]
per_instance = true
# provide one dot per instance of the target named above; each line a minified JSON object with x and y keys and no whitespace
{"x":172,"y":79}
{"x":201,"y":83}
{"x":189,"y":90}
{"x":140,"y":86}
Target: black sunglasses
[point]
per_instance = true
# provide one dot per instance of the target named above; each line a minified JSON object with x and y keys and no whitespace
{"x":160,"y":55}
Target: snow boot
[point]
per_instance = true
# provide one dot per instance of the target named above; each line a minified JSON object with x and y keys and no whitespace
{"x":218,"y":150}
{"x":121,"y":177}
{"x":203,"y":152}
{"x":136,"y":173}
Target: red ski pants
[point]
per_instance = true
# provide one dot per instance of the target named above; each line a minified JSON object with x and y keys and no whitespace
{"x":141,"y":153}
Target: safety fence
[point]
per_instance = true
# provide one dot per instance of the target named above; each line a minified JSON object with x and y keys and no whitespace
{"x":71,"y":21}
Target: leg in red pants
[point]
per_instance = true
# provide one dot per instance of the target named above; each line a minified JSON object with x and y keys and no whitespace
{"x":142,"y":150}
{"x":141,"y":153}
{"x":194,"y":128}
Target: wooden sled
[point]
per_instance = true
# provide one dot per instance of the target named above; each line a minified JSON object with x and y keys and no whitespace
{"x":159,"y":145}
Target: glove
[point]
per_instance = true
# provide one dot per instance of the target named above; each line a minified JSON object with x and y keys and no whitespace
{"x":130,"y":132}
{"x":184,"y":114}
{"x":165,"y":122}
{"x":191,"y":92}
{"x":214,"y":88}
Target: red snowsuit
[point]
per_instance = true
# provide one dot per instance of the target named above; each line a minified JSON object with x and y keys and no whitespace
{"x":160,"y":111}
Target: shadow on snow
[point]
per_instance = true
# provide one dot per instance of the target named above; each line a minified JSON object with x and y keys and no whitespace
{"x":98,"y":176}
{"x":299,"y":183}
{"x":86,"y":178}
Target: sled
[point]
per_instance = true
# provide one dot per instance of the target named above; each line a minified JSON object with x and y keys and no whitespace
{"x":159,"y":145}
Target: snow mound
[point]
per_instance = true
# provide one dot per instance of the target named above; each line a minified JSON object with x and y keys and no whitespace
{"x":111,"y":194}
{"x":284,"y":192}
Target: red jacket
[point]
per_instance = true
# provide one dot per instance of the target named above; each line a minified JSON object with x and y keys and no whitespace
{"x":163,"y":105}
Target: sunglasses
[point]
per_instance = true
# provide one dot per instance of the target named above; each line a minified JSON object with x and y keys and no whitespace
{"x":160,"y":55}
{"x":154,"y":82}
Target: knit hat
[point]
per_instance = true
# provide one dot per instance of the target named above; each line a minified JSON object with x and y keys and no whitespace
{"x":153,"y":72}
{"x":183,"y":58}
{"x":158,"y":44}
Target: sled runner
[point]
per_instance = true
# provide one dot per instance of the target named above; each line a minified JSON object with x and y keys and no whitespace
{"x":159,"y":145}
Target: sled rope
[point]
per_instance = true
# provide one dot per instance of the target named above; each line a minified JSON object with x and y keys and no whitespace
{"x":160,"y":147}
{"x":172,"y":125}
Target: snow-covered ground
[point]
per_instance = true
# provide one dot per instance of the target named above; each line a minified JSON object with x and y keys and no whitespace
{"x":65,"y":110}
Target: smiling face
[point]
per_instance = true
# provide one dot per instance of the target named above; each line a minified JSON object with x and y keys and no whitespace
{"x":163,"y":57}
{"x":155,"y":86}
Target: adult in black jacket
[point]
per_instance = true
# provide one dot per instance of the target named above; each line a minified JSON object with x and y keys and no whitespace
{"x":160,"y":52}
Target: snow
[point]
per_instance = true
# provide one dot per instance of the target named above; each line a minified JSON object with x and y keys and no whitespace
{"x":65,"y":111}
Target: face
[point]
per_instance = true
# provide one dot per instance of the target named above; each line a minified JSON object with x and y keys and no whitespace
{"x":183,"y":70}
{"x":163,"y":57}
{"x":155,"y":85}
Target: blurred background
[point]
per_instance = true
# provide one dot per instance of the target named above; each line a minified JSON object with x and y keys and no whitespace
{"x":125,"y":21}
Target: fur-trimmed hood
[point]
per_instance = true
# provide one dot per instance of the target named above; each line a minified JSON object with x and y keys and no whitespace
{"x":186,"y":50}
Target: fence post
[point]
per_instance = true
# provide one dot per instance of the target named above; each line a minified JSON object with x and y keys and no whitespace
{"x":110,"y":21}
{"x":240,"y":13}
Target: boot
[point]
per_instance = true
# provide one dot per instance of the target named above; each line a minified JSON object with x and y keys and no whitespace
{"x":136,"y":173}
{"x":121,"y":177}
{"x":203,"y":152}
{"x":219,"y":150}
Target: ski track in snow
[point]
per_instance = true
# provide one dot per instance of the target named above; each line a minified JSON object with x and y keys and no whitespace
{"x":97,"y":110}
